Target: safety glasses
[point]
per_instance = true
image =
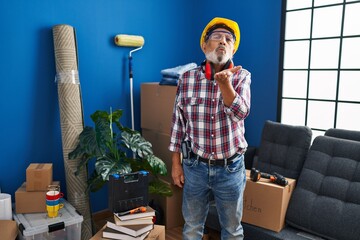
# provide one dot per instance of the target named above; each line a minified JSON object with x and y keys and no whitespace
{"x":218,"y":35}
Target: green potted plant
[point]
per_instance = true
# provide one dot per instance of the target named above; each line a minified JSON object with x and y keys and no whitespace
{"x":117,"y":151}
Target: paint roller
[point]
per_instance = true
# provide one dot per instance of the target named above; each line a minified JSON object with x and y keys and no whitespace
{"x":124,"y":40}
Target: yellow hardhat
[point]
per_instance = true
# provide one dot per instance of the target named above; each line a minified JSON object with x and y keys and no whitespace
{"x":228,"y":23}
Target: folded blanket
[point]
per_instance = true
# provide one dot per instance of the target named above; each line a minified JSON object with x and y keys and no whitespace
{"x":177,"y":71}
{"x":170,"y":77}
{"x":172,"y":81}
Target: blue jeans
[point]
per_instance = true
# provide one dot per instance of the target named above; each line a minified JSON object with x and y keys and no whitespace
{"x":227,"y":185}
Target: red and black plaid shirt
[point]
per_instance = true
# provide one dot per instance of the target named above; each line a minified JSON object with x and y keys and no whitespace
{"x":200,"y":116}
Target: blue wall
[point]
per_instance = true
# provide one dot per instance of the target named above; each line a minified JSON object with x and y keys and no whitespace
{"x":30,"y":121}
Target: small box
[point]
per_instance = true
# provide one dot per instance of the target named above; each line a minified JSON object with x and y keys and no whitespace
{"x":265,"y":203}
{"x":157,"y":103}
{"x":30,"y":202}
{"x":8,"y":229}
{"x":171,"y":206}
{"x":39,"y":176}
{"x":39,"y":226}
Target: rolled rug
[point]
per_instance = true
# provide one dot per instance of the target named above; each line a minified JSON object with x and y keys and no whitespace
{"x":71,"y":120}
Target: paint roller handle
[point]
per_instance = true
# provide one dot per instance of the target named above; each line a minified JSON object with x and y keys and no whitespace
{"x":130,"y":67}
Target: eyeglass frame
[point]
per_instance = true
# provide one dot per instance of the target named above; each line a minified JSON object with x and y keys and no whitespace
{"x":208,"y":36}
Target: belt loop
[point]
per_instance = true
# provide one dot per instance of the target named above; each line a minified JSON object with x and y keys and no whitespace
{"x":211,"y":158}
{"x":225,"y":162}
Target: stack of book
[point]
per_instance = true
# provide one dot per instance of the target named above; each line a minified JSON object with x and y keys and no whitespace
{"x":130,"y":226}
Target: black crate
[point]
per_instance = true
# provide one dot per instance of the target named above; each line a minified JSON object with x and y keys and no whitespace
{"x":128,"y":191}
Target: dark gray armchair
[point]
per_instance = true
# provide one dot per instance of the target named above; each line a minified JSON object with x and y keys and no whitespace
{"x":326,"y":201}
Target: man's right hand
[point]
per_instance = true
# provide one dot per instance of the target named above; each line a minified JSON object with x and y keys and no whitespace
{"x":177,"y":172}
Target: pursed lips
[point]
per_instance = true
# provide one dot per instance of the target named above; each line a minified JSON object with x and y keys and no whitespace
{"x":221,"y":48}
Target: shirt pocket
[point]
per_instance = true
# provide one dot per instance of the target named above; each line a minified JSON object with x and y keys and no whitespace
{"x":192,"y":105}
{"x":191,"y":101}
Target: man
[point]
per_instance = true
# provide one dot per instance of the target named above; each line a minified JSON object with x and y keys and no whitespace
{"x":211,"y":104}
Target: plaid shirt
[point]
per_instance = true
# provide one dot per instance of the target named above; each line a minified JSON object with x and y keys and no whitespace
{"x":200,"y":116}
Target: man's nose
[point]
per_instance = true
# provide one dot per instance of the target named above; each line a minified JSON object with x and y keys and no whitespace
{"x":223,"y":39}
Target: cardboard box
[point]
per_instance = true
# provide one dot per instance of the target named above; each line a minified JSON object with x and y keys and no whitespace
{"x":265,"y":203}
{"x":171,"y":207}
{"x":8,"y":230}
{"x":157,"y":103}
{"x":160,"y":143}
{"x":30,"y":202}
{"x":39,"y":176}
{"x":158,"y":233}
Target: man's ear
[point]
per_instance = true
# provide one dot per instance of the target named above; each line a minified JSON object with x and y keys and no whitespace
{"x":203,"y":47}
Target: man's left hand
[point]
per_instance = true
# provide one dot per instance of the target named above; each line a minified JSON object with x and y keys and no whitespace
{"x":225,"y":75}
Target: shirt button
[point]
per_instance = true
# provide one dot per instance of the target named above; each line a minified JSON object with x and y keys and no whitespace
{"x":212,"y":117}
{"x":213,"y":100}
{"x":212,"y":135}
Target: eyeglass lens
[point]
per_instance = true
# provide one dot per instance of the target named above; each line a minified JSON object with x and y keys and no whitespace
{"x":218,"y":35}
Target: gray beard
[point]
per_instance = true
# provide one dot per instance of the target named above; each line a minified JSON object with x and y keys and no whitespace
{"x":221,"y":59}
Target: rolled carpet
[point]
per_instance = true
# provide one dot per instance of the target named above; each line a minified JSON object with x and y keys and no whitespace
{"x":71,"y":120}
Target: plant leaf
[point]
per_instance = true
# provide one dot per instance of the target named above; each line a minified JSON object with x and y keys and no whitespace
{"x":157,"y":165}
{"x":103,"y":133}
{"x":159,"y":187}
{"x":137,"y":143}
{"x":95,"y":182}
{"x":116,"y":115}
{"x":87,"y":145}
{"x":107,"y":167}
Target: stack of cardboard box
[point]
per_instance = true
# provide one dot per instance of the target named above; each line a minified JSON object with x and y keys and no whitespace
{"x":157,"y":102}
{"x":31,"y":195}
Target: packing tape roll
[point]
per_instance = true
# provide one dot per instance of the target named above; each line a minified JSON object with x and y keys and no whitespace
{"x":5,"y":206}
